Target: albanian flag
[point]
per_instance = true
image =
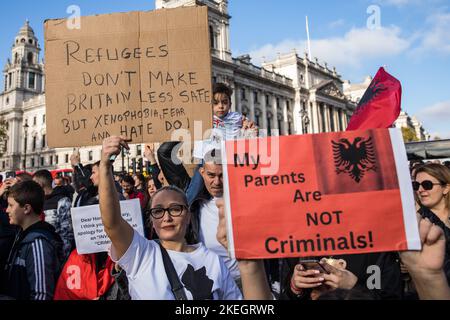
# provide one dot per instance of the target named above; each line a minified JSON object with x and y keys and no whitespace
{"x":380,"y":105}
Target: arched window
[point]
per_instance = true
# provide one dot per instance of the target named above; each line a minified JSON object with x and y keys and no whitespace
{"x":30,"y":58}
{"x":22,"y":40}
{"x":30,"y":41}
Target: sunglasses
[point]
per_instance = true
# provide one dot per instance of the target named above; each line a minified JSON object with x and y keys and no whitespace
{"x":426,"y":185}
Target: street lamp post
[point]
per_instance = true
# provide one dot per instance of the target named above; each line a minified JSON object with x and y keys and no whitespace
{"x":25,"y":131}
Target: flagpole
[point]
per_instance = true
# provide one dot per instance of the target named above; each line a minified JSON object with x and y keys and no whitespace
{"x":309,"y":40}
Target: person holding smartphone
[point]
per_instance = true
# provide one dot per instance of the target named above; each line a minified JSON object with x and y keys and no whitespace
{"x":307,"y":281}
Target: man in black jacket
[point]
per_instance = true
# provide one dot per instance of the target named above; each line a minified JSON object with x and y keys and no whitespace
{"x":33,"y":264}
{"x":57,"y":209}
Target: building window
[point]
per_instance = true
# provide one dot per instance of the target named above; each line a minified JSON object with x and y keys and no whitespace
{"x":42,"y":161}
{"x":67,"y":158}
{"x":267,"y":99}
{"x":258,"y":117}
{"x":138,"y":150}
{"x":43,"y":119}
{"x":32,"y":162}
{"x":322,"y":116}
{"x":56,"y":159}
{"x":255,"y":96}
{"x":9,"y":80}
{"x":269,"y":124}
{"x":90,"y":156}
{"x":31,"y":80}
{"x":332,"y":125}
{"x":34,"y":143}
{"x":280,"y":123}
{"x":30,"y":57}
{"x":341,"y":125}
{"x":50,"y":160}
{"x":211,"y":37}
{"x":34,"y":120}
{"x":44,"y":143}
{"x":3,"y":164}
{"x":243,"y":94}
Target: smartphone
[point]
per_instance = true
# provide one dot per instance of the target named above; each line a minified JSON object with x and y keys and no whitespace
{"x":313,"y":265}
{"x":10,"y":174}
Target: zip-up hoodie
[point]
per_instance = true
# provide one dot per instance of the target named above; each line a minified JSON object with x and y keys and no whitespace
{"x":34,"y":263}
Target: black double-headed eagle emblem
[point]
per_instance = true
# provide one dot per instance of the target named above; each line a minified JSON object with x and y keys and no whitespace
{"x":374,"y":90}
{"x":354,"y":158}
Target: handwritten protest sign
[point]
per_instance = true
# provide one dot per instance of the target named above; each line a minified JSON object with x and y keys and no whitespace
{"x":90,"y":236}
{"x":333,"y":193}
{"x":138,"y":74}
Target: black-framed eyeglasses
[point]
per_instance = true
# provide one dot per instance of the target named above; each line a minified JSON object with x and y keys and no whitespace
{"x":426,"y":185}
{"x":174,"y":210}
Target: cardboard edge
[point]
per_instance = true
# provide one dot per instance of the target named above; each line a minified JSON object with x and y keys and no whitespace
{"x":406,"y":191}
{"x":227,"y":200}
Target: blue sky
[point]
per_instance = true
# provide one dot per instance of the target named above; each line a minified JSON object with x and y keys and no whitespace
{"x":413,"y":39}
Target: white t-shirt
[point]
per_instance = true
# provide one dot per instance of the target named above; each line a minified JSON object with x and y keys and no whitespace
{"x":209,"y":221}
{"x":201,"y":271}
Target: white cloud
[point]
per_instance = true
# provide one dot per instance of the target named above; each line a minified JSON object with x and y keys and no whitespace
{"x":397,"y":3}
{"x":352,"y":49}
{"x":404,"y":3}
{"x":337,"y":23}
{"x":437,"y":116}
{"x":437,"y":35}
{"x":439,"y":111}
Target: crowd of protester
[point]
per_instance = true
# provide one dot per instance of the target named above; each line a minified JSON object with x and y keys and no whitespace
{"x":183,"y":252}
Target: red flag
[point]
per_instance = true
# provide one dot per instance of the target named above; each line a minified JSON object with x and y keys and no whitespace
{"x":380,"y":105}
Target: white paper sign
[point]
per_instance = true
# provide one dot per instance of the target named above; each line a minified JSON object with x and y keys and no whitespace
{"x":90,"y":236}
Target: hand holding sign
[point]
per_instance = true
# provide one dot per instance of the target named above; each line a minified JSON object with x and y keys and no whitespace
{"x":75,"y":157}
{"x":149,"y":153}
{"x":112,"y":146}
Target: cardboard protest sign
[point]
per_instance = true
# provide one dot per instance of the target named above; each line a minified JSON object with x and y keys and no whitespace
{"x":138,"y":74}
{"x":323,"y":194}
{"x":90,"y":236}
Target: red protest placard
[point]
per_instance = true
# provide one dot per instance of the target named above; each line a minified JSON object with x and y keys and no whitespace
{"x":315,"y":195}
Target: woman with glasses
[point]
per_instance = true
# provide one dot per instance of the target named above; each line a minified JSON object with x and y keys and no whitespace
{"x":432,"y":186}
{"x":200,"y":273}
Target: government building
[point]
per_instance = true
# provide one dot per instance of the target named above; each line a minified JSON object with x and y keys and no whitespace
{"x":293,"y":94}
